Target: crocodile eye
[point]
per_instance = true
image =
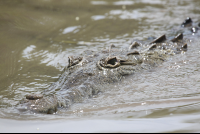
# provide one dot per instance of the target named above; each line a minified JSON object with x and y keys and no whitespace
{"x":72,"y":60}
{"x":112,"y":61}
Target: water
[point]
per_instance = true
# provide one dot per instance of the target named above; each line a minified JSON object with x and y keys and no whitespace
{"x":36,"y":38}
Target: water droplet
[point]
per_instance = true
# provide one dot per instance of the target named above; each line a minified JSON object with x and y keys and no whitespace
{"x":123,"y":7}
{"x":77,"y":18}
{"x":143,"y":103}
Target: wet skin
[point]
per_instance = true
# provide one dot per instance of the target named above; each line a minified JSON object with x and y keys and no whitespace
{"x":89,"y":73}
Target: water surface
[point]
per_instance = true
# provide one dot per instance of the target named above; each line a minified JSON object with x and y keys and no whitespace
{"x":37,"y":36}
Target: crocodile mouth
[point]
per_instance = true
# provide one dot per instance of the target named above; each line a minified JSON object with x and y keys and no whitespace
{"x":113,"y":62}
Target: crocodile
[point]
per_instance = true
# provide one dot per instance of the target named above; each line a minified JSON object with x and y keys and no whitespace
{"x":90,"y":72}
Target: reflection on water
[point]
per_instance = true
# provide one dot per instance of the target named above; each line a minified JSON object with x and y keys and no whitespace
{"x":70,"y":29}
{"x":99,"y":2}
{"x":37,"y":37}
{"x":27,"y":52}
{"x":123,"y":3}
{"x":169,"y":124}
{"x":98,"y":17}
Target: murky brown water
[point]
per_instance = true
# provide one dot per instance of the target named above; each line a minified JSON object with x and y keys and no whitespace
{"x":37,"y":36}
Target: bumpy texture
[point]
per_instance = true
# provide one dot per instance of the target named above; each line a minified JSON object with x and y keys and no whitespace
{"x":89,"y":73}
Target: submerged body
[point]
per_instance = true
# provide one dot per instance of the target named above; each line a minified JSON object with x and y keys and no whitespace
{"x":89,"y":73}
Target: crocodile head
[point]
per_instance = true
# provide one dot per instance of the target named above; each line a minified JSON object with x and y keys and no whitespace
{"x":86,"y":74}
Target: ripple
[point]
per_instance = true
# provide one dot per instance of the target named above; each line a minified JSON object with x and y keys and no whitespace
{"x":27,"y":52}
{"x":98,"y":17}
{"x":71,"y":29}
{"x":124,"y":3}
{"x":99,"y":2}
